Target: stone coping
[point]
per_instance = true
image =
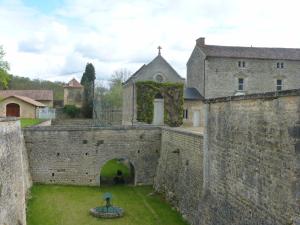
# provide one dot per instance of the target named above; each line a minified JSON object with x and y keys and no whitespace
{"x":117,"y":128}
{"x":86,"y":128}
{"x":7,"y":119}
{"x":183,"y":131}
{"x":266,"y":95}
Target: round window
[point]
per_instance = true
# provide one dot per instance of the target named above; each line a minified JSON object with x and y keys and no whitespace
{"x":159,"y":78}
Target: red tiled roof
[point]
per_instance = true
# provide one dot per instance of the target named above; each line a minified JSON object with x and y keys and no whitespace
{"x":73,"y":83}
{"x":26,"y":99}
{"x":38,"y":95}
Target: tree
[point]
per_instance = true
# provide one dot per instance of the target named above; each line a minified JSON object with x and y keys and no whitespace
{"x":114,"y":96}
{"x":119,"y":76}
{"x":88,"y":82}
{"x":24,"y":83}
{"x":4,"y":66}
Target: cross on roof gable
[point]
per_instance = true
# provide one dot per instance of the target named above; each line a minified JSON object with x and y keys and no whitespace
{"x":157,"y":60}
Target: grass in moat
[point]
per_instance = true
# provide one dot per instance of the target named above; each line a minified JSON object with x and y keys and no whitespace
{"x":26,"y":122}
{"x":69,"y":205}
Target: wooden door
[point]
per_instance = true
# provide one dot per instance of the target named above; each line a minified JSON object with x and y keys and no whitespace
{"x":13,"y":109}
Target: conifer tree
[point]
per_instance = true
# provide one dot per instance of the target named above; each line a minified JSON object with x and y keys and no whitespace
{"x":88,"y":82}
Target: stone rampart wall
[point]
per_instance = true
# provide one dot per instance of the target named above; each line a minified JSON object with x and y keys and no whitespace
{"x":179,"y":174}
{"x":14,"y":173}
{"x":75,"y":155}
{"x":251,"y":159}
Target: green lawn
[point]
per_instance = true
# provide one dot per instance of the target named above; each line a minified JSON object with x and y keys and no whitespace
{"x":69,"y":205}
{"x":109,"y":170}
{"x":30,"y":122}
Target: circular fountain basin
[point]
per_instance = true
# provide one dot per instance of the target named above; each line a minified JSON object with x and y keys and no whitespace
{"x":107,"y":212}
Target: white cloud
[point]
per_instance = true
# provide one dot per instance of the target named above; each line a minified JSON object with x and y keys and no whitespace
{"x":118,"y":34}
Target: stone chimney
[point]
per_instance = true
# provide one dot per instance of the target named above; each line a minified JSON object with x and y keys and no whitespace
{"x":200,"y":41}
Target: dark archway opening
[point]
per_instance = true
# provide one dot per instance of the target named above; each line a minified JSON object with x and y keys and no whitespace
{"x":158,"y":96}
{"x":13,"y":109}
{"x":117,"y":172}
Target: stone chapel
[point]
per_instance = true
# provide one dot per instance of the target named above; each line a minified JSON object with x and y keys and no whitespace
{"x":158,"y":70}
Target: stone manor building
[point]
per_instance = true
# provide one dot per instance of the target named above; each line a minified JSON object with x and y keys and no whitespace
{"x":220,"y":71}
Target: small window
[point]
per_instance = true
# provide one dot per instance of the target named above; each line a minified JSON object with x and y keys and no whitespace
{"x":280,"y":65}
{"x":241,"y":84}
{"x":159,"y":78}
{"x":185,"y":114}
{"x":242,"y":64}
{"x":279,"y":85}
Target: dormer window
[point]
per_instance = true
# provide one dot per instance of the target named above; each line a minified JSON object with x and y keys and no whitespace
{"x":280,"y":65}
{"x":242,"y":64}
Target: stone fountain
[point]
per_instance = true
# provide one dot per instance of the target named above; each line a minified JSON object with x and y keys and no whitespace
{"x":107,"y":211}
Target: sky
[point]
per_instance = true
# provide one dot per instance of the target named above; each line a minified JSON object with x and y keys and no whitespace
{"x":54,"y":40}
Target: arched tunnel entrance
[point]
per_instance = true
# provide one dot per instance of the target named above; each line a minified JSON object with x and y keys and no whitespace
{"x":118,"y":171}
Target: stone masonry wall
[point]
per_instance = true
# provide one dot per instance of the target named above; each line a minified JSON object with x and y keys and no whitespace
{"x":66,"y":155}
{"x":129,"y":104}
{"x":259,"y":76}
{"x":179,"y":173}
{"x":14,"y":175}
{"x":73,"y":122}
{"x":73,"y":96}
{"x":195,"y":71}
{"x":252,"y":161}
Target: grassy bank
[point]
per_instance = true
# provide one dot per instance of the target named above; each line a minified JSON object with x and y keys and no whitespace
{"x":69,"y":205}
{"x":25,"y":122}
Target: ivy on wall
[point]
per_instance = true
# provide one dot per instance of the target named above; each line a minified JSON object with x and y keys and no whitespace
{"x":173,"y":101}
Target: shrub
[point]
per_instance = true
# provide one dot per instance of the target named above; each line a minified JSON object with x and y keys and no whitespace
{"x":71,"y":110}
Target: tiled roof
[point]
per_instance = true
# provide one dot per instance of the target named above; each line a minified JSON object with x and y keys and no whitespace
{"x":73,"y":83}
{"x":26,"y":99}
{"x":135,"y":74}
{"x":42,"y":95}
{"x":251,"y":52}
{"x":144,"y":67}
{"x":192,"y":94}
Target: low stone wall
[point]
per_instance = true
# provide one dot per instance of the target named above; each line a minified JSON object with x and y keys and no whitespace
{"x":179,"y":174}
{"x":72,"y":122}
{"x":75,"y":155}
{"x":14,"y":175}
